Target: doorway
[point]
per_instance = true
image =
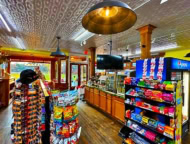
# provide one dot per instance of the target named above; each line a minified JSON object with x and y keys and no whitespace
{"x":78,"y":74}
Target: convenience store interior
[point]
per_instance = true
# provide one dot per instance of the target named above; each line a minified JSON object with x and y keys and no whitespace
{"x":98,"y":77}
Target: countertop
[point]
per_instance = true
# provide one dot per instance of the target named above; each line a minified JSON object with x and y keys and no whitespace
{"x":122,"y":96}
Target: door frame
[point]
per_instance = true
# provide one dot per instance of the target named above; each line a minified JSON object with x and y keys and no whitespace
{"x":79,"y":73}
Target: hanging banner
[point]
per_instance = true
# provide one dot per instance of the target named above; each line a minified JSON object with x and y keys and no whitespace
{"x":145,"y":69}
{"x":160,"y":68}
{"x":152,"y":68}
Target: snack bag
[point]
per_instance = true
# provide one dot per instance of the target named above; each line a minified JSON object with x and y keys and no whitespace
{"x":72,"y":127}
{"x":75,"y":110}
{"x":58,"y":112}
{"x":58,"y":129}
{"x":65,"y":130}
{"x":68,"y":113}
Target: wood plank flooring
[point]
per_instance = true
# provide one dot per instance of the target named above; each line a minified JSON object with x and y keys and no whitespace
{"x":96,"y":127}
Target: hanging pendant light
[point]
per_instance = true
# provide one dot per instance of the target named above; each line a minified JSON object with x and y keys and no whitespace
{"x":58,"y":52}
{"x":109,"y":17}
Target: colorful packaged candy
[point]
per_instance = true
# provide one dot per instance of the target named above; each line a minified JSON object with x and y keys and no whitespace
{"x":153,"y":123}
{"x":160,"y":140}
{"x":75,"y":110}
{"x":129,"y":141}
{"x":128,"y":113}
{"x":133,"y":116}
{"x":58,"y":112}
{"x":169,"y":131}
{"x":68,"y":113}
{"x":171,"y":111}
{"x":161,"y":127}
{"x":157,"y":95}
{"x":150,"y":135}
{"x":138,"y":118}
{"x":148,"y":94}
{"x":72,"y":127}
{"x":145,"y":120}
{"x":155,"y":109}
{"x":65,"y":130}
{"x":58,"y":129}
{"x":169,"y":87}
{"x":168,"y":97}
{"x":137,"y":139}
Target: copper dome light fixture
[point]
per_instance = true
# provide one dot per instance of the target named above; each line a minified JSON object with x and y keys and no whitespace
{"x":109,"y":17}
{"x":58,"y":52}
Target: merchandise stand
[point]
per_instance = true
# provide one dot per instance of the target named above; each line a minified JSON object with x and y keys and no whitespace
{"x":151,"y":119}
{"x":30,"y":116}
{"x":64,"y":118}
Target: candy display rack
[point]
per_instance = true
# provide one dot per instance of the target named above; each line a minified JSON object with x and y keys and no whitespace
{"x":153,"y":112}
{"x":29,"y":114}
{"x":64,"y":118}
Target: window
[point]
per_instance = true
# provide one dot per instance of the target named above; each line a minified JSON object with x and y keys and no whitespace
{"x":63,"y":71}
{"x":18,"y":67}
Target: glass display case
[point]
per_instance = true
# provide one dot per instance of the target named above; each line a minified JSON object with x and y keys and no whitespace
{"x":120,"y":83}
{"x":111,"y":83}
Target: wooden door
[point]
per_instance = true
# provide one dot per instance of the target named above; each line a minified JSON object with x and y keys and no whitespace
{"x":108,"y":104}
{"x":103,"y":100}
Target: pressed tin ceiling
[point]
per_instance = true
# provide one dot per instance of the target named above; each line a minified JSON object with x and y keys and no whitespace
{"x":36,"y":23}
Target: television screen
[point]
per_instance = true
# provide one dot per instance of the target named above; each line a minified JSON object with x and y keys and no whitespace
{"x":109,"y":62}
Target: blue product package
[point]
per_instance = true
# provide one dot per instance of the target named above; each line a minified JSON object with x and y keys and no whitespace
{"x":138,"y":118}
{"x":133,"y":116}
{"x":138,"y":110}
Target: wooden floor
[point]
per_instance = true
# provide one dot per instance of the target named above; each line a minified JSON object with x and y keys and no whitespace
{"x":96,"y":127}
{"x":5,"y":125}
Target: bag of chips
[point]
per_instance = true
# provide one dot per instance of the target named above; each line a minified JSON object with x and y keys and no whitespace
{"x":75,"y":110}
{"x":65,"y":130}
{"x":58,"y":112}
{"x":68,"y":113}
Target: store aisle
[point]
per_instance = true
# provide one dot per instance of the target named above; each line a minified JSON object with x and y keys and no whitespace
{"x":96,"y":127}
{"x":5,"y":125}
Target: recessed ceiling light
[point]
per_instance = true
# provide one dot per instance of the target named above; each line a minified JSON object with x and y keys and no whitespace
{"x":163,"y":1}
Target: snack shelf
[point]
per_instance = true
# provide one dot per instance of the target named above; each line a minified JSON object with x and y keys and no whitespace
{"x":163,"y":90}
{"x":149,"y":127}
{"x":152,"y":142}
{"x":149,"y":110}
{"x":171,"y":103}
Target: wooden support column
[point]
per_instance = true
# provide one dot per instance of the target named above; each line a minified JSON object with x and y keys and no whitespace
{"x":53,"y":72}
{"x":9,"y":66}
{"x":145,"y":35}
{"x":92,"y":64}
{"x":59,"y":70}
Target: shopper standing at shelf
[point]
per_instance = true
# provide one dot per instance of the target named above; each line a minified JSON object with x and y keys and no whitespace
{"x":39,"y":73}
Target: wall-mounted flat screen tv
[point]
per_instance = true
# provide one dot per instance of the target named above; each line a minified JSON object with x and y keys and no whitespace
{"x":110,"y":62}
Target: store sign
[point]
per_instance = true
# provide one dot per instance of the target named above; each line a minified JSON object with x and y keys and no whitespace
{"x":180,"y":64}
